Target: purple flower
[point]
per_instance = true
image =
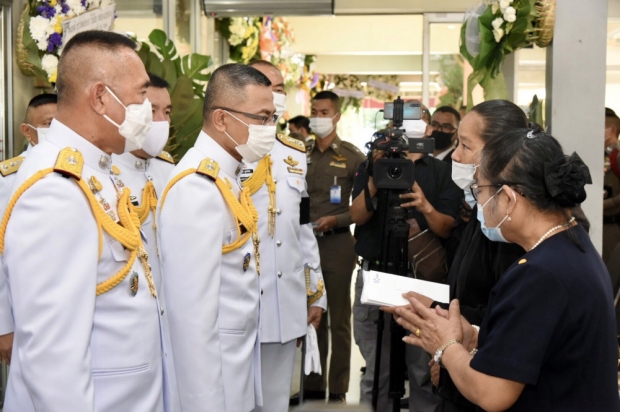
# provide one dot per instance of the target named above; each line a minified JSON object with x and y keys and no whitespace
{"x":54,"y":41}
{"x":83,"y":3}
{"x":64,"y":7}
{"x":46,"y":11}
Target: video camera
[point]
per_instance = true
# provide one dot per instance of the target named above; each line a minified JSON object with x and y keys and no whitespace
{"x":395,"y":171}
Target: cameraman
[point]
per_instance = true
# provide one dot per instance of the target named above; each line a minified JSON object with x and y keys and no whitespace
{"x":434,"y":202}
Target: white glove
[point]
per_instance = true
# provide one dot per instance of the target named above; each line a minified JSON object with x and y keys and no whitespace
{"x":313,"y":360}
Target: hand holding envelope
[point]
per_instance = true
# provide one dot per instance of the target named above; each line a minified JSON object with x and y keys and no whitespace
{"x":384,"y":289}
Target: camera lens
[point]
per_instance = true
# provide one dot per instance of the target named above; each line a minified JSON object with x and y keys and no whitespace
{"x":395,"y":172}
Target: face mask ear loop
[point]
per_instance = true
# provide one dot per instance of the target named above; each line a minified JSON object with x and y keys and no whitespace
{"x":115,"y":98}
{"x":237,"y":119}
{"x":226,"y":133}
{"x":105,"y":116}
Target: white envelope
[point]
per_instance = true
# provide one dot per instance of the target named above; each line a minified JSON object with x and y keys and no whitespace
{"x":384,"y":289}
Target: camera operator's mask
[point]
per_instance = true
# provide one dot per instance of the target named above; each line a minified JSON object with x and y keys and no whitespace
{"x":443,"y":140}
{"x":414,"y":129}
{"x":322,"y":126}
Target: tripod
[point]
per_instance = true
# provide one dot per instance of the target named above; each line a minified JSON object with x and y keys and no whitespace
{"x":393,"y":260}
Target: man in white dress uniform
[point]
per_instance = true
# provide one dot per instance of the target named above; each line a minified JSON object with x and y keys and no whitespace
{"x":87,"y":326}
{"x":209,"y":243}
{"x":288,"y":250}
{"x":39,"y":114}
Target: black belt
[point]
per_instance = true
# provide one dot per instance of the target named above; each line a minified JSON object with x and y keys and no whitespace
{"x":613,"y":219}
{"x":336,"y":231}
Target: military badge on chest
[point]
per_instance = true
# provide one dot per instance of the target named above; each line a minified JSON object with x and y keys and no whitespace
{"x":96,"y":187}
{"x":133,"y":283}
{"x":115,"y":172}
{"x":246,"y":261}
{"x":292,"y":163}
{"x":339,"y":162}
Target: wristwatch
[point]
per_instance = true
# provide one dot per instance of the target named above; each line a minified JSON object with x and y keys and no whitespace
{"x":439,"y":352}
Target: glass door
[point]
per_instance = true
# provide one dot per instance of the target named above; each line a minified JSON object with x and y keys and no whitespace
{"x":442,"y":65}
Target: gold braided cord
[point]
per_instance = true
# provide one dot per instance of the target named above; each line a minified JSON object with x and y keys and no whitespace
{"x":172,"y":183}
{"x":128,"y":234}
{"x":149,"y":202}
{"x":264,"y":174}
{"x":244,"y":212}
{"x":259,"y":176}
{"x":20,"y":191}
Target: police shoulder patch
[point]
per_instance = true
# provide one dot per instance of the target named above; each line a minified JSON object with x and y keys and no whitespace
{"x":11,"y":166}
{"x":292,"y":142}
{"x":165,"y":156}
{"x":70,"y":163}
{"x":209,"y":168}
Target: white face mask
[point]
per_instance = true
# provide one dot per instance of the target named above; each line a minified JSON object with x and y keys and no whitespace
{"x":322,"y":126}
{"x":138,"y":120}
{"x":463,"y":175}
{"x":414,"y":129}
{"x":260,"y":141}
{"x":279,"y":101}
{"x":41,"y":132}
{"x":156,"y":138}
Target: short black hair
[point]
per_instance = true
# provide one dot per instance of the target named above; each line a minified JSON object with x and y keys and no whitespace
{"x":231,"y":80}
{"x":254,"y":63}
{"x":42,"y":99}
{"x":106,"y":40}
{"x":331,"y":96}
{"x":301,"y":122}
{"x":158,"y":82}
{"x":451,"y":110}
{"x":610,"y":113}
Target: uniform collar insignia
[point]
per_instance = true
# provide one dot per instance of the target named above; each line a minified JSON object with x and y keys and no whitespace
{"x":291,"y":162}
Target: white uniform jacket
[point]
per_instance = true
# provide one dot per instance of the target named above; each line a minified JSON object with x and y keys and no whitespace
{"x":212,"y":299}
{"x":284,"y":256}
{"x":73,"y":350}
{"x":7,"y":178}
{"x":134,"y":173}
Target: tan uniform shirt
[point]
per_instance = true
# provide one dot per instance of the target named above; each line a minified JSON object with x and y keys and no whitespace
{"x":611,"y":203}
{"x":338,"y":163}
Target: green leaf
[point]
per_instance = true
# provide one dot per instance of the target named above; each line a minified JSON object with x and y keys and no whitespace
{"x":163,"y":44}
{"x":193,"y":64}
{"x":170,"y":73}
{"x":495,"y":87}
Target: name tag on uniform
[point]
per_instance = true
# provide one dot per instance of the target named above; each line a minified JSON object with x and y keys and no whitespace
{"x":244,"y":175}
{"x":335,"y":192}
{"x":295,"y":170}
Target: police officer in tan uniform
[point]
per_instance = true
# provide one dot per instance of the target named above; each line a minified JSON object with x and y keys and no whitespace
{"x":332,"y":164}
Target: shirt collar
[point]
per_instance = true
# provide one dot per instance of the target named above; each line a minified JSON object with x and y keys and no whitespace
{"x":62,"y":136}
{"x":336,"y":145}
{"x":443,"y":154}
{"x":211,"y":149}
{"x":132,"y":162}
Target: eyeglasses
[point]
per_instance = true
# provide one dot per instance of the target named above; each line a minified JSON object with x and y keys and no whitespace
{"x":443,"y":127}
{"x":475,"y":188}
{"x":265,"y":120}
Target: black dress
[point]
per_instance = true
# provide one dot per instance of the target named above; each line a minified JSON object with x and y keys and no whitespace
{"x":550,"y":324}
{"x":477,"y":266}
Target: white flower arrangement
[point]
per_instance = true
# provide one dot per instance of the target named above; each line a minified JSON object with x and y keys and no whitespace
{"x":506,"y":15}
{"x":44,"y":25}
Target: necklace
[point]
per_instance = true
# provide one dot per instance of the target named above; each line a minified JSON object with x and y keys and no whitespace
{"x":553,"y":229}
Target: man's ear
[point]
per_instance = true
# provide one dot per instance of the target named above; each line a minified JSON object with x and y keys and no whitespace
{"x":219,"y":120}
{"x":96,"y":99}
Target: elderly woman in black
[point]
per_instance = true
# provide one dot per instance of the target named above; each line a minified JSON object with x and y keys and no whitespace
{"x":548,"y":341}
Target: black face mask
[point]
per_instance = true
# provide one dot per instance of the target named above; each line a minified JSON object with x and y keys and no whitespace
{"x":442,"y":140}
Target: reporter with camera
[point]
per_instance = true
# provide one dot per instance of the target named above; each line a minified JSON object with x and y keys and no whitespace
{"x":433,"y":202}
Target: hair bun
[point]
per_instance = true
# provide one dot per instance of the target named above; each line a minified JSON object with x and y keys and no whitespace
{"x":566,"y":178}
{"x":535,"y":128}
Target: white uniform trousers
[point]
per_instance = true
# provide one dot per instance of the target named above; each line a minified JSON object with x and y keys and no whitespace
{"x":277,"y":365}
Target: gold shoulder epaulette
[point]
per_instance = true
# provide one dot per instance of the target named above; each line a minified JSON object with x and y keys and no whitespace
{"x":209,"y":168}
{"x":165,"y":156}
{"x":70,"y":163}
{"x":292,"y":142}
{"x":11,"y":166}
